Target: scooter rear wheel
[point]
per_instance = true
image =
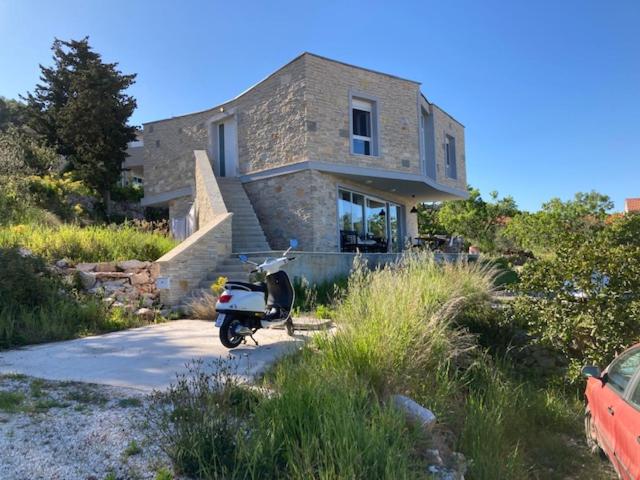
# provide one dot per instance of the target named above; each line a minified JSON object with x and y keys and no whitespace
{"x":228,"y":336}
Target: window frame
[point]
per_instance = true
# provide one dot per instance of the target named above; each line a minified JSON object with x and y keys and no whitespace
{"x":450,"y":168}
{"x":360,"y":98}
{"x":631,"y":384}
{"x":365,"y":227}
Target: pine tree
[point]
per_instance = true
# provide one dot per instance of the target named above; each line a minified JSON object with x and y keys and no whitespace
{"x":81,"y":108}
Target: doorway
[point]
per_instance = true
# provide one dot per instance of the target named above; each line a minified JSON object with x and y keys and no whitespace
{"x":224,"y":147}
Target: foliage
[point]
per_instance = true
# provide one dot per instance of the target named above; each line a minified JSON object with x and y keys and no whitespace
{"x":36,"y":306}
{"x":428,"y":223}
{"x":86,"y":244}
{"x":21,"y":156}
{"x":61,"y":195}
{"x":129,"y":193}
{"x":310,"y":296}
{"x":585,"y":300}
{"x":478,"y":221}
{"x":558,"y":222}
{"x":81,"y":107}
{"x":12,"y":113}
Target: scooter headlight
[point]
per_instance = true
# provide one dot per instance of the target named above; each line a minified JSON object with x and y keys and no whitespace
{"x":224,"y":298}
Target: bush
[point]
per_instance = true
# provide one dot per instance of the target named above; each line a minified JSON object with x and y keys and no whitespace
{"x":86,"y":244}
{"x":62,"y":195}
{"x":585,"y":301}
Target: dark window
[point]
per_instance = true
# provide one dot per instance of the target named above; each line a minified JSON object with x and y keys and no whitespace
{"x":361,"y":123}
{"x":622,"y":369}
{"x":362,"y":147}
{"x":221,"y":149}
{"x":450,"y":154}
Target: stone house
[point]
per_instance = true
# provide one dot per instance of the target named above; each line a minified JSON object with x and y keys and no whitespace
{"x":334,"y":155}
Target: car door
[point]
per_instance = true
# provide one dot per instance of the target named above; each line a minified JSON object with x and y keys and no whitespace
{"x":609,"y":402}
{"x":627,"y":432}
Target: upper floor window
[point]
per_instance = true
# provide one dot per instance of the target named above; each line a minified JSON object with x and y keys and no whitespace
{"x":363,"y":127}
{"x":450,"y":156}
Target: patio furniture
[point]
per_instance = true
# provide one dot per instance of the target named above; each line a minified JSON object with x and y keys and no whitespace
{"x":348,"y":240}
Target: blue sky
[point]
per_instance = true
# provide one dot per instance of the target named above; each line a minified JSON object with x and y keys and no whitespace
{"x":549,"y":91}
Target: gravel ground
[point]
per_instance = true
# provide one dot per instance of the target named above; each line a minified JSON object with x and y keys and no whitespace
{"x":69,"y":430}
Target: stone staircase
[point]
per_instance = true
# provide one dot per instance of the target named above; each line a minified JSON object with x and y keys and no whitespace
{"x":247,"y":234}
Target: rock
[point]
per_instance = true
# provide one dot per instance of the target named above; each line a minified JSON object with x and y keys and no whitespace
{"x":63,"y":263}
{"x":117,"y":304}
{"x":87,"y":279}
{"x":113,"y":285}
{"x":132,"y":265}
{"x":140,"y":278}
{"x":145,"y":314}
{"x":105,"y":276}
{"x":109,"y":301}
{"x":25,"y":252}
{"x":154,"y":270}
{"x":105,"y":267}
{"x":414,"y":411}
{"x":147,"y":300}
{"x":86,"y":267}
{"x":433,"y":457}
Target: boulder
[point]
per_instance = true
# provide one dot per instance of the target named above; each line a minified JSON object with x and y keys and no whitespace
{"x":414,"y":412}
{"x":132,"y":265}
{"x":87,"y":279}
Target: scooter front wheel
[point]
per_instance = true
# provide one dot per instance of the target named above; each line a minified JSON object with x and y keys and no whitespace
{"x":228,"y":336}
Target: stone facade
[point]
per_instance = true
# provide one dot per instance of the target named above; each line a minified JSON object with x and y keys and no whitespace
{"x":299,"y":115}
{"x":304,"y":206}
{"x":329,"y":85}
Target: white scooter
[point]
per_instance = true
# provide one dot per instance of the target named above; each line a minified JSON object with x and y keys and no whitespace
{"x":243,"y":307}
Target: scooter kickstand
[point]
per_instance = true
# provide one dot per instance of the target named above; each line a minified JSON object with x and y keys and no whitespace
{"x":254,"y":340}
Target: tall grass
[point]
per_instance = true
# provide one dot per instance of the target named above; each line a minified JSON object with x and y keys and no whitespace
{"x":398,"y":331}
{"x":86,"y":244}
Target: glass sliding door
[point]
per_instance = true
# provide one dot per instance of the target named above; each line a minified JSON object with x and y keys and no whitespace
{"x":368,"y":224}
{"x":395,"y":238}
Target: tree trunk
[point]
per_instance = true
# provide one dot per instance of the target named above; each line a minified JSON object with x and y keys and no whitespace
{"x":106,"y":198}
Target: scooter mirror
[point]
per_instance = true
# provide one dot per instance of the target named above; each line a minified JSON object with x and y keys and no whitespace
{"x":243,"y":258}
{"x":293,"y":243}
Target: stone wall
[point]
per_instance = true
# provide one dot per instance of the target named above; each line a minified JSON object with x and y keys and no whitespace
{"x":208,"y":199}
{"x":304,"y":206}
{"x":270,"y":125}
{"x":285,"y":206}
{"x":186,"y":265}
{"x":328,"y":87}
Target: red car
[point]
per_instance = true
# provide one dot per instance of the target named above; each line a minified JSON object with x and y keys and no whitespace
{"x":612,"y":416}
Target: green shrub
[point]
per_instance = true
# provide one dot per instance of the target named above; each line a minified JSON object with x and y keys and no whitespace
{"x":585,"y":301}
{"x":129,"y":194}
{"x":86,"y":244}
{"x":57,"y":194}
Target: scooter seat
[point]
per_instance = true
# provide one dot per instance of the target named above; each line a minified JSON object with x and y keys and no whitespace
{"x":253,"y":287}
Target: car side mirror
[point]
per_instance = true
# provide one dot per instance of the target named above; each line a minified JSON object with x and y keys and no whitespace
{"x":591,"y":371}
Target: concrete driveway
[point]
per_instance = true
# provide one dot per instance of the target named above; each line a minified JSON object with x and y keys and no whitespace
{"x":145,"y":358}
